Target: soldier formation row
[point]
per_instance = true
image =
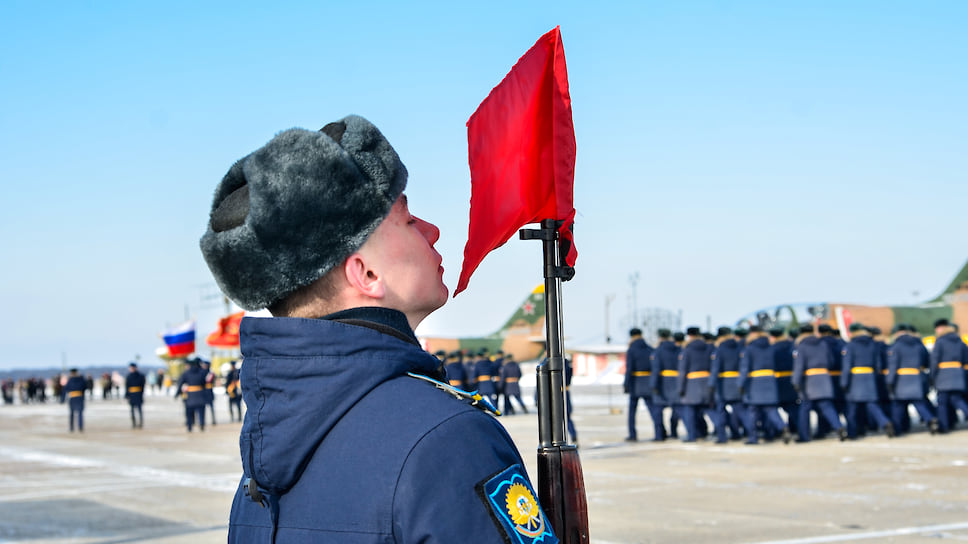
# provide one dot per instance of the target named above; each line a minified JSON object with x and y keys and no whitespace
{"x":741,"y":380}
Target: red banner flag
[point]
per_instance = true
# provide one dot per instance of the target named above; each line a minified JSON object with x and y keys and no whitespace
{"x":227,"y":334}
{"x":521,"y":149}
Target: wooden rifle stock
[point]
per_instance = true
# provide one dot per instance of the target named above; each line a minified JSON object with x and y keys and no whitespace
{"x":561,"y":490}
{"x":561,"y":486}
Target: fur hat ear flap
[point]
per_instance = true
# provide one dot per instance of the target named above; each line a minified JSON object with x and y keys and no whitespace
{"x":287,"y":213}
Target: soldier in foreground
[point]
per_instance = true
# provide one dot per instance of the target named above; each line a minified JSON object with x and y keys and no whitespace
{"x":364,"y":446}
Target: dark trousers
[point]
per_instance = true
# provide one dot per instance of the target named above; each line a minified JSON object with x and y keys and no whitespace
{"x":191,"y":412}
{"x":899,"y":409}
{"x":136,"y":408}
{"x":826,"y":413}
{"x":947,"y":402}
{"x":211,"y":407}
{"x":873,"y":411}
{"x":235,"y":405}
{"x":79,"y":415}
{"x":692,"y":416}
{"x":509,"y":406}
{"x":650,"y":406}
{"x":770,"y":415}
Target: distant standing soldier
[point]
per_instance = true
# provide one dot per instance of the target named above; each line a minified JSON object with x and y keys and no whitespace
{"x":861,"y":365}
{"x":511,"y":384}
{"x":209,"y":387}
{"x":456,"y":375}
{"x":134,"y":387}
{"x":74,"y":392}
{"x":191,"y":388}
{"x":948,"y":359}
{"x":907,"y":362}
{"x":638,"y":382}
{"x":234,"y":392}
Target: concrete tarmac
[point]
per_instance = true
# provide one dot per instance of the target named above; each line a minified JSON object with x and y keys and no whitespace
{"x":161,"y":484}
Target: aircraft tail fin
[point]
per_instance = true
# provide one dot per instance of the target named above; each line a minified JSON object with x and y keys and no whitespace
{"x":960,"y":279}
{"x":528,"y":313}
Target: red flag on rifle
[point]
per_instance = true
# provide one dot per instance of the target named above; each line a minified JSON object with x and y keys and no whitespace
{"x":521,"y":147}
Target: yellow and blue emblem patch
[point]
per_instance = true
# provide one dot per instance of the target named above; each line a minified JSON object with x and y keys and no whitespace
{"x":515,"y":509}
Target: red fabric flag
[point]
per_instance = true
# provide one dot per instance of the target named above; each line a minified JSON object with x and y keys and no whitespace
{"x":521,"y":147}
{"x":227,"y":334}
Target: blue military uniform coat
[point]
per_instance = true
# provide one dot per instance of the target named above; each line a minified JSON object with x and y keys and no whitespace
{"x":693,"y":379}
{"x":861,"y":365}
{"x":346,"y":447}
{"x":948,"y":359}
{"x":783,"y":366}
{"x":906,"y":358}
{"x":74,"y":392}
{"x":456,"y":375}
{"x":665,"y":370}
{"x":511,"y":378}
{"x":134,"y":387}
{"x":484,"y":382}
{"x":191,"y":385}
{"x":836,"y":346}
{"x":757,"y":373}
{"x":811,"y":369}
{"x":724,"y":368}
{"x":638,"y":369}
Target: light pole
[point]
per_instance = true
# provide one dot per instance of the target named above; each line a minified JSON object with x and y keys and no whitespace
{"x":634,"y":280}
{"x":608,"y":302}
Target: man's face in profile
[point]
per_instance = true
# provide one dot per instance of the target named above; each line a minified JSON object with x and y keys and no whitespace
{"x":402,"y":250}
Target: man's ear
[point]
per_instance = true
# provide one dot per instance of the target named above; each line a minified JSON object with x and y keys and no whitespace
{"x":364,"y":279}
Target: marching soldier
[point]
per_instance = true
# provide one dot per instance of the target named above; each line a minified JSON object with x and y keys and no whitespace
{"x":757,"y":376}
{"x":783,"y":365}
{"x":948,"y":359}
{"x":693,"y":384}
{"x":134,"y":386}
{"x":861,"y":365}
{"x":638,"y":370}
{"x":454,"y":369}
{"x":813,"y":382}
{"x":483,"y":378}
{"x":511,"y":384}
{"x":907,"y":362}
{"x":664,"y":361}
{"x":724,"y":367}
{"x":833,"y":341}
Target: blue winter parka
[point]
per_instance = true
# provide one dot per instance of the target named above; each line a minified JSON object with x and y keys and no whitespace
{"x":344,"y":446}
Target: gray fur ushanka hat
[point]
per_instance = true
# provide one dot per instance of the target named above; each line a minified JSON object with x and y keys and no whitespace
{"x":293,"y":209}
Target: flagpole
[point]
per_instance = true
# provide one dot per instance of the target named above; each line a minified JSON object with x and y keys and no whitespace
{"x":561,"y":486}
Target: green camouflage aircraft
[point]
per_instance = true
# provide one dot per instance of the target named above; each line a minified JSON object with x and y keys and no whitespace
{"x":523,"y":335}
{"x":951,"y":304}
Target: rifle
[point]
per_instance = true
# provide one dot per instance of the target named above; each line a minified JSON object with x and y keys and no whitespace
{"x":561,"y":487}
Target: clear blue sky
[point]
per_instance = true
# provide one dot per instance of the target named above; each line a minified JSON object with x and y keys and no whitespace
{"x":734,"y":154}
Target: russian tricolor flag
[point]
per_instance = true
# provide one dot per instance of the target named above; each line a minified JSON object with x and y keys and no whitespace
{"x":181,"y":339}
